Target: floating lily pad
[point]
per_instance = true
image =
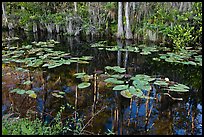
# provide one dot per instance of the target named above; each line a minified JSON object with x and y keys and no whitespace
{"x":79,"y":75}
{"x":57,"y":95}
{"x":62,"y":93}
{"x":33,"y":95}
{"x":161,"y":83}
{"x":116,"y":69}
{"x":84,"y":85}
{"x":30,"y":92}
{"x":126,"y":93}
{"x":117,"y":76}
{"x":120,"y":87}
{"x":27,"y":82}
{"x":114,"y":81}
{"x":137,"y":92}
{"x":143,"y":85}
{"x":21,"y":91}
{"x":179,"y":88}
{"x":15,"y":90}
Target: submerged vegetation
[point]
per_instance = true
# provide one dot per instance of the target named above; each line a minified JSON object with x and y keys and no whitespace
{"x":69,"y":93}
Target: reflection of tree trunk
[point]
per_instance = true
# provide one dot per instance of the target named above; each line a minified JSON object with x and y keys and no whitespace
{"x":95,"y":93}
{"x":128,"y":123}
{"x":120,"y":45}
{"x":147,"y":112}
{"x":192,"y":123}
{"x":36,"y":37}
{"x":127,"y":43}
{"x":58,"y":37}
{"x":75,"y":104}
{"x":70,"y":39}
{"x":126,"y":59}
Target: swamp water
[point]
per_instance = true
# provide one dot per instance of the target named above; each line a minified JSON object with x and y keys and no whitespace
{"x":101,"y":107}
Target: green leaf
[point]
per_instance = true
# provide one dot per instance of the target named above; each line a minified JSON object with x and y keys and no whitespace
{"x":15,"y":90}
{"x":33,"y":95}
{"x":30,"y":92}
{"x":126,"y":93}
{"x":161,"y":83}
{"x":179,"y":88}
{"x":117,"y":76}
{"x":114,"y":81}
{"x":27,"y":82}
{"x":120,"y":87}
{"x":83,"y":85}
{"x":116,"y":69}
{"x":57,"y":95}
{"x":21,"y":91}
{"x":62,"y":93}
{"x":141,"y":84}
{"x":137,"y":92}
{"x":79,"y":75}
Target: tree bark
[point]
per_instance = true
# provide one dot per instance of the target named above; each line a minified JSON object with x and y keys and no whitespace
{"x":128,"y":34}
{"x":4,"y":13}
{"x":120,"y":33}
{"x":75,"y":7}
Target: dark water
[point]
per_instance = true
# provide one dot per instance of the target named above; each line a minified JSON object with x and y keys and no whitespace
{"x":110,"y":110}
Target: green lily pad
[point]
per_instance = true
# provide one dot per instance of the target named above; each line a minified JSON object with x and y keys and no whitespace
{"x":83,"y":85}
{"x":143,"y":85}
{"x":62,"y":93}
{"x":179,"y":88}
{"x":30,"y":92}
{"x":116,"y":69}
{"x":161,"y":83}
{"x":33,"y":95}
{"x":126,"y":93}
{"x":136,"y":92}
{"x":79,"y":75}
{"x":27,"y":82}
{"x":57,"y":95}
{"x":114,"y":81}
{"x":21,"y":91}
{"x":120,"y":87}
{"x":117,"y":76}
{"x":15,"y":90}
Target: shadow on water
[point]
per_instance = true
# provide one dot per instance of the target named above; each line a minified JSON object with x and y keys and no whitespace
{"x":162,"y":116}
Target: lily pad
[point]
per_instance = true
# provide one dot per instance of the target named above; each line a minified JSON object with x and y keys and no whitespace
{"x":33,"y":95}
{"x":27,"y":82}
{"x":126,"y":93}
{"x":21,"y":91}
{"x":30,"y":92}
{"x":179,"y":88}
{"x":120,"y":87}
{"x":116,"y":69}
{"x":117,"y":76}
{"x":79,"y":75}
{"x":83,"y":85}
{"x":161,"y":83}
{"x":57,"y":95}
{"x":140,"y":84}
{"x":114,"y":81}
{"x":136,"y":92}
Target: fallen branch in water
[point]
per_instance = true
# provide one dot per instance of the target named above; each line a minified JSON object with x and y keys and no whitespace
{"x":91,"y":119}
{"x":173,"y":97}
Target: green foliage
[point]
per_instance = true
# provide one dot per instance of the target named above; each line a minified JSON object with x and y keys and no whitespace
{"x":188,"y":57}
{"x":179,"y":27}
{"x":85,"y":78}
{"x":24,"y":126}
